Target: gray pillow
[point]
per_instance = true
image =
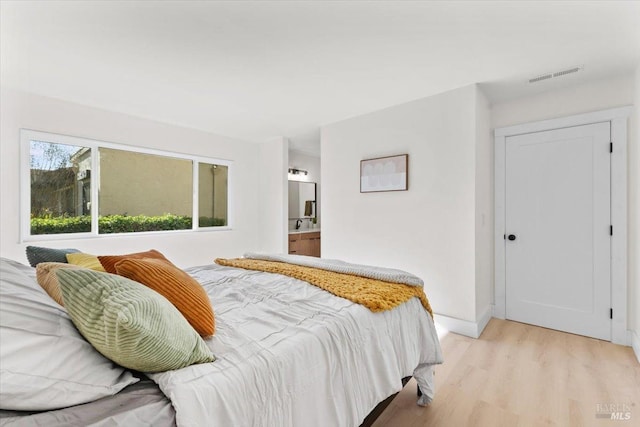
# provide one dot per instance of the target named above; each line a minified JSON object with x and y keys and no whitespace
{"x":44,"y":362}
{"x":37,"y":254}
{"x":130,"y":323}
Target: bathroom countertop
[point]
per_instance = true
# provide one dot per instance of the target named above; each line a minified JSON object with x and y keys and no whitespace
{"x":305,"y":230}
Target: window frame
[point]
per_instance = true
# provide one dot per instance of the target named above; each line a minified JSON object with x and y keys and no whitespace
{"x":28,"y":135}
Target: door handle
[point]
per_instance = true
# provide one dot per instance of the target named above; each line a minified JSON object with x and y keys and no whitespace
{"x":511,"y":237}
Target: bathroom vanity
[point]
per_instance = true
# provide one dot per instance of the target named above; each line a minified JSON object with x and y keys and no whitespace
{"x":305,"y":242}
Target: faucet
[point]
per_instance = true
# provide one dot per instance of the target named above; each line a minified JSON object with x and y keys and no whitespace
{"x":298,"y":224}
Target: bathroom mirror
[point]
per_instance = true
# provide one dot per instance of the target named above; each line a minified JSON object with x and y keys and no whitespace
{"x":302,"y":199}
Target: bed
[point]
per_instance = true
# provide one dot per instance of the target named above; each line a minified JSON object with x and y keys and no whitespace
{"x":286,"y":353}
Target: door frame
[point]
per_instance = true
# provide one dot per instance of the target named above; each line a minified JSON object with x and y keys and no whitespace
{"x":618,"y":120}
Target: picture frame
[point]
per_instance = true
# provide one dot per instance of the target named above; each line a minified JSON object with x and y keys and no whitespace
{"x":388,"y":173}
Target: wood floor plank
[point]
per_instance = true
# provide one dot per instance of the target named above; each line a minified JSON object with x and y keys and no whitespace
{"x":523,"y":375}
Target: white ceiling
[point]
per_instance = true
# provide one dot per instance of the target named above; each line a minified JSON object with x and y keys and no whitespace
{"x":255,"y":70}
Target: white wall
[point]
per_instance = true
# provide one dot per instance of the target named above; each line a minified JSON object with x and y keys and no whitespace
{"x":20,"y":110}
{"x":442,"y":228}
{"x":600,"y":95}
{"x":484,"y":209}
{"x":311,"y":164}
{"x":273,"y":207}
{"x":634,"y":220}
{"x":430,"y":229}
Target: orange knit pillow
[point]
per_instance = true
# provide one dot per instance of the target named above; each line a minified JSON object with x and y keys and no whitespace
{"x":184,"y":292}
{"x":47,"y":279}
{"x":109,"y":261}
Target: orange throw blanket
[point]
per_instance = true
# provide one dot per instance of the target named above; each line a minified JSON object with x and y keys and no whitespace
{"x":376,"y":295}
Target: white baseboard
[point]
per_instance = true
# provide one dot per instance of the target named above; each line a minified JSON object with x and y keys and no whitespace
{"x":464,"y":327}
{"x":484,"y":319}
{"x":635,"y":343}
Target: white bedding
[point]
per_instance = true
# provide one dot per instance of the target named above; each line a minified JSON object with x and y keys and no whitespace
{"x":291,"y":354}
{"x":379,"y":273}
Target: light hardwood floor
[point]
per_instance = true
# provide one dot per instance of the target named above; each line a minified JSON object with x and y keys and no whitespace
{"x":518,"y":375}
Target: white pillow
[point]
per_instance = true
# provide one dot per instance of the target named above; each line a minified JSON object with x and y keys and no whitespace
{"x":44,"y":361}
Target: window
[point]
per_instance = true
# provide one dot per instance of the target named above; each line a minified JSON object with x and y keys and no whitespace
{"x":144,"y":192}
{"x":212,"y":197}
{"x":79,"y":187}
{"x":60,"y":196}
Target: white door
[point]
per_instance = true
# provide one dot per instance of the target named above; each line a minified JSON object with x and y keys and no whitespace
{"x":558,"y":229}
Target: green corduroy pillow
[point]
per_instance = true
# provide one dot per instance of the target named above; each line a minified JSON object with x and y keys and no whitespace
{"x":129,"y":323}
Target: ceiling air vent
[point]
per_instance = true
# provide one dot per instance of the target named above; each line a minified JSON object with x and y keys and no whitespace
{"x":565,"y":72}
{"x":548,"y":76}
{"x":540,"y":78}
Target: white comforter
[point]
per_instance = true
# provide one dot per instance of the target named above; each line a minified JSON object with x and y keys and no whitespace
{"x":291,"y":354}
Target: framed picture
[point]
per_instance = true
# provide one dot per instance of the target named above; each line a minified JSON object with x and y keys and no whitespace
{"x":384,"y":174}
